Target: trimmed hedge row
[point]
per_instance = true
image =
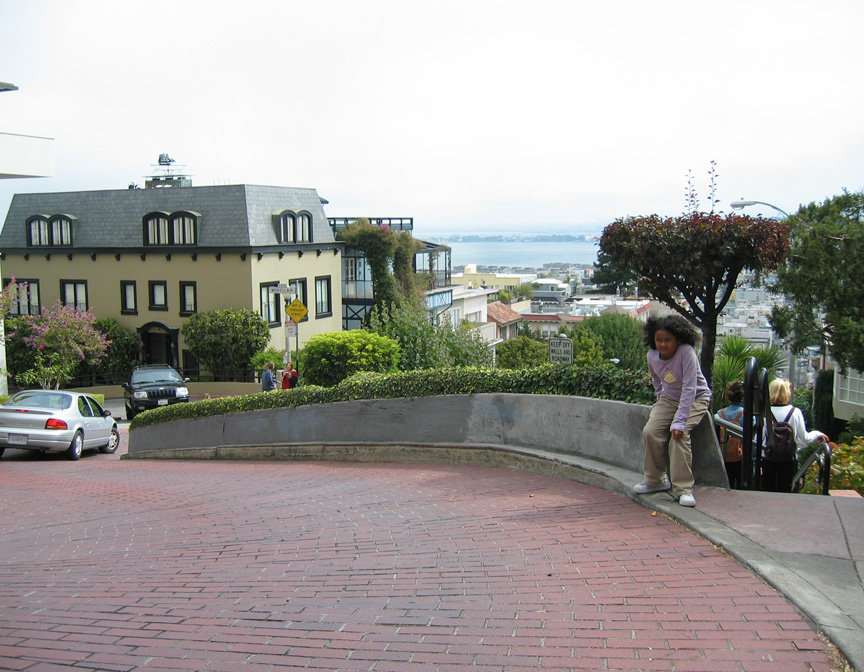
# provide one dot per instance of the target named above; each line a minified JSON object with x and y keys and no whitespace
{"x":598,"y":382}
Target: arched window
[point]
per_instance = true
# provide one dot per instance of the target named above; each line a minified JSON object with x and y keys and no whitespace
{"x":179,"y":228}
{"x":294,"y":227}
{"x":55,"y":231}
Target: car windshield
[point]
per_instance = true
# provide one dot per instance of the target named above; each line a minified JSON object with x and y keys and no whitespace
{"x":162,"y":376}
{"x":40,"y":399}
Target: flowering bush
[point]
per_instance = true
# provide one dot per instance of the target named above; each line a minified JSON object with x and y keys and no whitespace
{"x":847,"y":468}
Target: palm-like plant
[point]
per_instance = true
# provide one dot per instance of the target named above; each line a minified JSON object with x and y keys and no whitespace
{"x":731,"y":363}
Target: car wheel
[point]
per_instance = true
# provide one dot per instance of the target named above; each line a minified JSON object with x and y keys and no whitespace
{"x":2,"y":450}
{"x":76,"y":447}
{"x":130,"y":412}
{"x":113,"y":442}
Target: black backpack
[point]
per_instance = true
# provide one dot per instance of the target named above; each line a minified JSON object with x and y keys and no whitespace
{"x":781,"y":443}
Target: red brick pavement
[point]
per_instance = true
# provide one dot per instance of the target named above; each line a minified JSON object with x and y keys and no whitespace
{"x":155,"y":565}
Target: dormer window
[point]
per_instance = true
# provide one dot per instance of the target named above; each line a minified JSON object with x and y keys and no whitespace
{"x":294,"y":227}
{"x":178,"y":228}
{"x":53,"y":231}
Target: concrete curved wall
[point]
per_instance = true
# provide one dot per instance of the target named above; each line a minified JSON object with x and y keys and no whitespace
{"x":595,"y":434}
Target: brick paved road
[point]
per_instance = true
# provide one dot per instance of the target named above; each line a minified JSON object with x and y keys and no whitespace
{"x":137,"y":565}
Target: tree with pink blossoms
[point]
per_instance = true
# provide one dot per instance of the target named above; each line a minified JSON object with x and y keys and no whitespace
{"x":62,"y":336}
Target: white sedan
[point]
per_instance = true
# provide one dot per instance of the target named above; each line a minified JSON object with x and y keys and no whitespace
{"x":56,"y":421}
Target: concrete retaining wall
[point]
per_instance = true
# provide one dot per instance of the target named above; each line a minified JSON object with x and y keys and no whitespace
{"x":481,"y":428}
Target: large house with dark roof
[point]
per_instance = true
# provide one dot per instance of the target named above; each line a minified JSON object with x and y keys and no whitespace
{"x":152,"y":257}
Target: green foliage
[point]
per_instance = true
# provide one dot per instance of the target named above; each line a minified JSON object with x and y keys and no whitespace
{"x":271,"y":354}
{"x":613,"y":277}
{"x":378,"y":244}
{"x":19,"y":358}
{"x":847,"y":469}
{"x":504,"y":296}
{"x":425,"y":345}
{"x":823,"y":285}
{"x":692,"y":262}
{"x":63,"y":337}
{"x":330,"y":358}
{"x":521,"y":352}
{"x":599,"y":382}
{"x":854,"y":429}
{"x":226,"y":338}
{"x":620,"y":337}
{"x":803,"y":398}
{"x":731,"y":364}
{"x":122,"y":353}
{"x":464,"y":343}
{"x":587,"y":345}
{"x":524,"y":291}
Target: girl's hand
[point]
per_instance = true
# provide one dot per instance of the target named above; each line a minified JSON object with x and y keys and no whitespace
{"x":677,"y":434}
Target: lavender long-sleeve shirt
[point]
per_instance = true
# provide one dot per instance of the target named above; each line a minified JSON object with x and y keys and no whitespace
{"x":679,"y":378}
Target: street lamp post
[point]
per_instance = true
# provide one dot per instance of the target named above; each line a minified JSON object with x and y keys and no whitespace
{"x":739,"y":205}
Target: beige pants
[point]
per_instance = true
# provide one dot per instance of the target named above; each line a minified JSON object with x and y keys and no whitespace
{"x":657,"y":434}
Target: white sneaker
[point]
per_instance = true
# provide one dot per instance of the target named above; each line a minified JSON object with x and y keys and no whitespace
{"x":644,"y":488}
{"x":687,"y":500}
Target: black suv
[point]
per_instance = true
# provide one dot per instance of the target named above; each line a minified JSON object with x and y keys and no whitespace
{"x":151,"y":386}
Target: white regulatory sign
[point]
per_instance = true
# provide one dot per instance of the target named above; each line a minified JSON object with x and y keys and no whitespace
{"x":560,"y":350}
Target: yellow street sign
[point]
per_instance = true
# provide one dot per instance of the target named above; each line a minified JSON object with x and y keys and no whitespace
{"x":296,"y":310}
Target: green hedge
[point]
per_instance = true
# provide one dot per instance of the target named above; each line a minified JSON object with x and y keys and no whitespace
{"x":599,"y":382}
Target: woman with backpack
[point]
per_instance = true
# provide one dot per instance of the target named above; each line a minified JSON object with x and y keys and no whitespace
{"x":790,"y":435}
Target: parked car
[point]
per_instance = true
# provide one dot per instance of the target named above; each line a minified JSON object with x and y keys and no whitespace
{"x":151,"y":386}
{"x":52,"y":421}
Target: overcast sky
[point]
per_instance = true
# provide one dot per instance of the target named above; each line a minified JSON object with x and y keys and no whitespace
{"x":467,"y":115}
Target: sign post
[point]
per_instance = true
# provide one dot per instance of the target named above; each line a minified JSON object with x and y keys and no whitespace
{"x":290,"y":292}
{"x":296,"y":311}
{"x":560,"y":350}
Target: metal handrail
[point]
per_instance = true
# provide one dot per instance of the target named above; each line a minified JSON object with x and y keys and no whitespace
{"x":822,"y":455}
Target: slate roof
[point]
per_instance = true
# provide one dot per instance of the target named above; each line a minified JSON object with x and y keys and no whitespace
{"x":232,"y":216}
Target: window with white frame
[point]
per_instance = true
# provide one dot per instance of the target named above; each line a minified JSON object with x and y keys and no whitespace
{"x":53,"y":232}
{"x":300,"y":293}
{"x":851,"y":387}
{"x":128,"y":297}
{"x":269,"y":303}
{"x":158,"y":294}
{"x":25,"y":296}
{"x":323,"y":305}
{"x":295,"y":227}
{"x":179,"y":228}
{"x":188,"y":298}
{"x":74,"y":293}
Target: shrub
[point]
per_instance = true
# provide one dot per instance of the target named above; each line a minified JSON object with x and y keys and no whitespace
{"x":599,"y":382}
{"x":330,"y":358}
{"x":847,"y":469}
{"x":854,"y":428}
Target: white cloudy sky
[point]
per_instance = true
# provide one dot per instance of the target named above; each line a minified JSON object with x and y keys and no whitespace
{"x":465,"y":114}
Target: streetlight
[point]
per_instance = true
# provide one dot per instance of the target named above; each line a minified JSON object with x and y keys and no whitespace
{"x":738,"y":205}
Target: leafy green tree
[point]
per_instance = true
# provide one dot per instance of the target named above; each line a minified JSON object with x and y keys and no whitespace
{"x":62,"y":337}
{"x":226,"y":338}
{"x":504,"y":296}
{"x":425,"y":344}
{"x":330,"y":358}
{"x":524,"y":291}
{"x":692,"y":262}
{"x":464,"y":343}
{"x":121,"y":354}
{"x":822,"y":280}
{"x":521,"y":352}
{"x":587,"y":345}
{"x":611,"y":277}
{"x":621,"y":339}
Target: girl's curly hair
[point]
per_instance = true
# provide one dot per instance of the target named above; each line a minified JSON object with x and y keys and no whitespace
{"x":675,"y":325}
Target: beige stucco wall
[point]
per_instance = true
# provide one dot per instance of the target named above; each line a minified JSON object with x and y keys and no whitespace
{"x":231,"y":282}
